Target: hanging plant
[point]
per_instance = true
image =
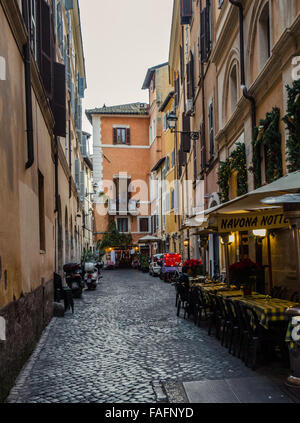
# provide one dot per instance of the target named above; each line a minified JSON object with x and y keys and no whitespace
{"x":268,"y":136}
{"x":292,"y":121}
{"x":235,"y":162}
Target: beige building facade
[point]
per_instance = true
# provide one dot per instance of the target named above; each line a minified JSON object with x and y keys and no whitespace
{"x":38,"y":195}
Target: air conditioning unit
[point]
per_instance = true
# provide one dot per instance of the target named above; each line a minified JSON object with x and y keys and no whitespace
{"x":189,"y":106}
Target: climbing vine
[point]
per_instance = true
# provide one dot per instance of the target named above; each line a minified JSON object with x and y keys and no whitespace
{"x":292,"y":121}
{"x":268,"y":136}
{"x":235,"y":162}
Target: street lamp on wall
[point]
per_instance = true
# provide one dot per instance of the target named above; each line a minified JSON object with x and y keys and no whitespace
{"x":172,"y":120}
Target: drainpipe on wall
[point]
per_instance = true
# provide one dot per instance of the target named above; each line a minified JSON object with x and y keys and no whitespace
{"x":242,"y":60}
{"x":29,"y":120}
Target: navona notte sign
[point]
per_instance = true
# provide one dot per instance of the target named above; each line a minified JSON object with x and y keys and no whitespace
{"x":251,"y":221}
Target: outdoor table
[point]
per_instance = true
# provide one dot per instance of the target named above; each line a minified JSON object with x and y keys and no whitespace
{"x":272,"y":310}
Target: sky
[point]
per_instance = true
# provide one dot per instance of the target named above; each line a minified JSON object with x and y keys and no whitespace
{"x":122,"y":39}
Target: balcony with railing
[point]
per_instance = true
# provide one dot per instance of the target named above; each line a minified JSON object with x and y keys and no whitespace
{"x":122,"y":208}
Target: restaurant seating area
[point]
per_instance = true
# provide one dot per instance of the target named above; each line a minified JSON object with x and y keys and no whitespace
{"x":251,"y":327}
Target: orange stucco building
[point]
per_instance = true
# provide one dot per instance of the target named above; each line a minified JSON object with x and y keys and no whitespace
{"x":121,"y":169}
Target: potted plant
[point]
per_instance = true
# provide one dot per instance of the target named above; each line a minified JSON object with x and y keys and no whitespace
{"x":243,"y":274}
{"x":196,"y":267}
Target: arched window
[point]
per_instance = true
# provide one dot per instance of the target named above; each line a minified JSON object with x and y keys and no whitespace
{"x":264,"y":36}
{"x":233,"y":88}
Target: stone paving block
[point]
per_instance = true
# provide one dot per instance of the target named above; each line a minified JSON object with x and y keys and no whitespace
{"x":121,"y":338}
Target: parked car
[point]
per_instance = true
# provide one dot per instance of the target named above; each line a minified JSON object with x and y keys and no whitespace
{"x":155,"y":264}
{"x":171,"y":263}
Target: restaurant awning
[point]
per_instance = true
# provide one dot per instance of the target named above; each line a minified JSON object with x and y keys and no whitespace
{"x":149,"y":238}
{"x":195,"y":222}
{"x":251,"y":201}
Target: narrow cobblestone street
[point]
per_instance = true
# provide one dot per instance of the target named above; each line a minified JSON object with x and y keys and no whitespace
{"x":120,"y":339}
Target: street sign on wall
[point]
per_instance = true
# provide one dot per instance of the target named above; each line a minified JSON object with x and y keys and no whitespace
{"x":251,"y":221}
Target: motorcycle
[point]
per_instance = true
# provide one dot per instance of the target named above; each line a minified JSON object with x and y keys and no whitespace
{"x":91,"y":276}
{"x":74,"y":280}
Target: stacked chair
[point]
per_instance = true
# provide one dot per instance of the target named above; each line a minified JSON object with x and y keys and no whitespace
{"x":236,"y":325}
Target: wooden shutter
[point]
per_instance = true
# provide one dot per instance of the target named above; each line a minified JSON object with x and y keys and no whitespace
{"x":185,"y":138}
{"x":186,"y":11}
{"x":128,"y":136}
{"x":202,"y":146}
{"x":208,"y":34}
{"x":115,"y":136}
{"x":211,"y":129}
{"x":188,"y":81}
{"x":181,"y":156}
{"x":195,"y":161}
{"x":181,"y":65}
{"x":46,"y":45}
{"x":192,"y":76}
{"x":58,"y":102}
{"x":202,"y":35}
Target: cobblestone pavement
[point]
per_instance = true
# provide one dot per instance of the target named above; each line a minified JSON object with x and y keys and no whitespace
{"x":120,"y":339}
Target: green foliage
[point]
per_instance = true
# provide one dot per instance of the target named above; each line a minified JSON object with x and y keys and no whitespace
{"x":268,"y":135}
{"x":88,"y":255}
{"x":113,"y":238}
{"x":236,"y":161}
{"x":292,"y":121}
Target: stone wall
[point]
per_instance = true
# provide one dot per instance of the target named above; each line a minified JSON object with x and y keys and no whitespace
{"x":25,"y":319}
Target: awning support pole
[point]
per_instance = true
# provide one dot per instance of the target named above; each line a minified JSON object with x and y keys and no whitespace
{"x":225,"y":238}
{"x":270,"y":263}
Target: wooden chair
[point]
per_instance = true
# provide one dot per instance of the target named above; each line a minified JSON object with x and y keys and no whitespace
{"x":183,"y":297}
{"x":258,"y":339}
{"x":225,"y":322}
{"x":233,"y":328}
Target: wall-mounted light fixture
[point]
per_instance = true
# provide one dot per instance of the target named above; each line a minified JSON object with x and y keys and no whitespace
{"x":172,"y":122}
{"x":260,"y":233}
{"x":227,"y":239}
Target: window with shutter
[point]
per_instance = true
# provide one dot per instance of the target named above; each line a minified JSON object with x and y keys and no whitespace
{"x":181,"y":65}
{"x":122,"y":224}
{"x":144,"y":224}
{"x":188,"y":82}
{"x":185,"y":137}
{"x":181,"y":156}
{"x":192,"y":75}
{"x":128,"y":136}
{"x":115,"y":138}
{"x":208,"y":30}
{"x":211,"y":129}
{"x":120,"y":135}
{"x":186,"y":11}
{"x":58,"y":103}
{"x":195,"y":161}
{"x":202,"y":146}
{"x":46,"y":46}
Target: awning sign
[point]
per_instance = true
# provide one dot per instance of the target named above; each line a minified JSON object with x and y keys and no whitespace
{"x":251,"y":221}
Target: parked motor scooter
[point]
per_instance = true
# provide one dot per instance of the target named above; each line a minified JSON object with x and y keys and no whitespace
{"x":91,"y":276}
{"x":74,"y":280}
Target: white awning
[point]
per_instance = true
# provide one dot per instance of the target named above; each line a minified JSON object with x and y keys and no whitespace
{"x":251,"y":201}
{"x":195,"y":222}
{"x":149,"y":238}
